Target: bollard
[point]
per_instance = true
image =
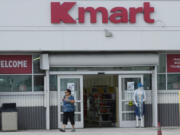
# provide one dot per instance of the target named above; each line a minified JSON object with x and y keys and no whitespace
{"x":159,"y":132}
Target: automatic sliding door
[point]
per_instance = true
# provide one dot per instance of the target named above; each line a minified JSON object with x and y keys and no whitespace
{"x":127,"y":85}
{"x":75,"y":83}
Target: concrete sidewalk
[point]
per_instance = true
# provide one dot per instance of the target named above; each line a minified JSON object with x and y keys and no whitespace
{"x":99,"y":131}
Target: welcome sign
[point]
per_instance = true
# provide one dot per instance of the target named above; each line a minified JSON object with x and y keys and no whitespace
{"x":173,"y":63}
{"x":15,"y":64}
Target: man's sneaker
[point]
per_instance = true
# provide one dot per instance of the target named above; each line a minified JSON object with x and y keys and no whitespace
{"x":62,"y":130}
{"x":73,"y":130}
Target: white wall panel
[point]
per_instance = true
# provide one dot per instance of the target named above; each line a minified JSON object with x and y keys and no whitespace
{"x":53,"y":98}
{"x":22,"y":100}
{"x":32,"y":100}
{"x":89,"y":41}
{"x":25,"y":25}
{"x":168,"y":97}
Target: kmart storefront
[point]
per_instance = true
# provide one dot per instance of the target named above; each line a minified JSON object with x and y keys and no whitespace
{"x":43,"y":52}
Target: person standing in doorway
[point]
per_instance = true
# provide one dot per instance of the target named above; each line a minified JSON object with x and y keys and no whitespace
{"x":68,"y":109}
{"x":139,"y":99}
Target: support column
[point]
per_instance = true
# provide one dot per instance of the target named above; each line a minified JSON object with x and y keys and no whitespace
{"x":44,"y":65}
{"x":47,"y":100}
{"x":154,"y":98}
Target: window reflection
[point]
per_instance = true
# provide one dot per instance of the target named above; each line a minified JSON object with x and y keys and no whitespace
{"x":161,"y":82}
{"x":53,"y":82}
{"x":36,"y":64}
{"x":15,"y":83}
{"x":147,"y":81}
{"x":173,"y":81}
{"x":38,"y":83}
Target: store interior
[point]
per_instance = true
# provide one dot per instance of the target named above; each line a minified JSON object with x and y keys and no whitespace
{"x":100,"y":100}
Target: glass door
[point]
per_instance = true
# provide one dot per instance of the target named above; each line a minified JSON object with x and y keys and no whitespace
{"x":75,"y":83}
{"x":127,"y":85}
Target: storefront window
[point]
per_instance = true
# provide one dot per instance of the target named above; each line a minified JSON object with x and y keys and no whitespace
{"x":161,"y":79}
{"x":38,"y":83}
{"x":167,"y":80}
{"x":53,"y":82}
{"x":162,"y":63}
{"x":173,"y":81}
{"x":15,"y":83}
{"x":38,"y":73}
{"x":36,"y":64}
{"x":147,"y":81}
{"x":18,"y":82}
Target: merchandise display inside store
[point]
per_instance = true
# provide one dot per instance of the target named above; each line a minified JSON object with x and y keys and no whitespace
{"x":100,"y":104}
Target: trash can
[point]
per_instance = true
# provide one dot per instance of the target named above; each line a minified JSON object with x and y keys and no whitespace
{"x":9,"y":117}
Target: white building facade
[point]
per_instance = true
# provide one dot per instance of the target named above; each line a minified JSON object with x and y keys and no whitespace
{"x":47,"y":46}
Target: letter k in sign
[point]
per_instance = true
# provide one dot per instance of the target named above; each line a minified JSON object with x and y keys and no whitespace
{"x":59,"y":13}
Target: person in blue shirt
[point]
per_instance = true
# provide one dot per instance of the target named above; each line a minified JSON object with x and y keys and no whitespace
{"x":68,"y":109}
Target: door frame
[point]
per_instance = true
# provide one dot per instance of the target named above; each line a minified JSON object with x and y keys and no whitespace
{"x":121,"y":122}
{"x":154,"y":83}
{"x":77,"y":124}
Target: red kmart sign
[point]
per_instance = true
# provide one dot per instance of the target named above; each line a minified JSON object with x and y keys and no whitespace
{"x":116,"y":15}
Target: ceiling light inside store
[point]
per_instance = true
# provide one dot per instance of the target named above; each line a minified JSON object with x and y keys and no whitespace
{"x":38,"y":58}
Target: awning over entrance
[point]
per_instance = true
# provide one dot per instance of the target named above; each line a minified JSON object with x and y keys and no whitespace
{"x":76,"y":60}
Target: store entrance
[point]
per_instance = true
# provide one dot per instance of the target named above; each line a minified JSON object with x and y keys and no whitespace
{"x":100,"y":100}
